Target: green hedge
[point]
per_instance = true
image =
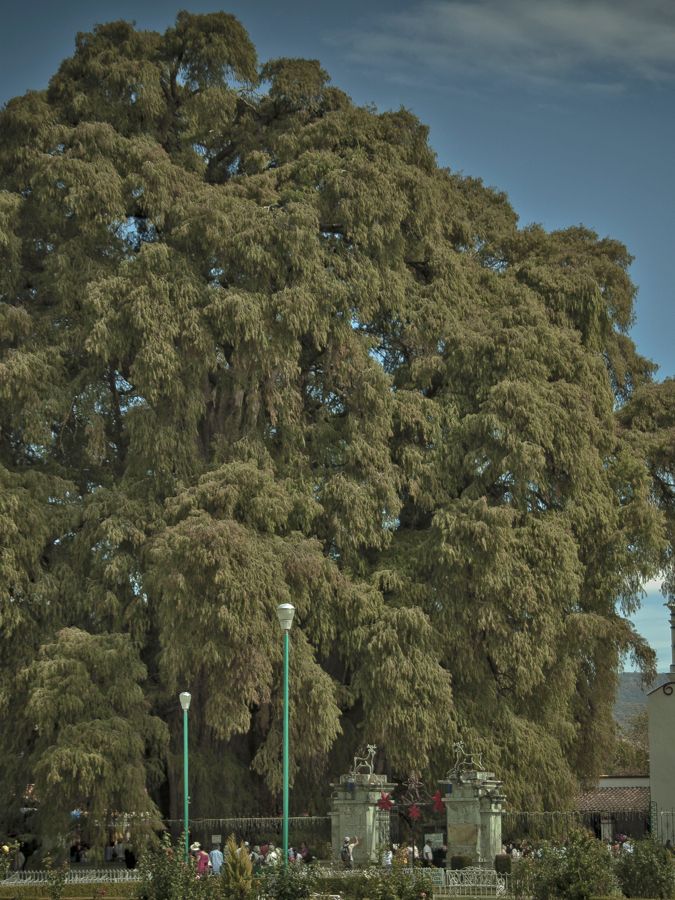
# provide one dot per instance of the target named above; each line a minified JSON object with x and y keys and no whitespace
{"x":125,"y":891}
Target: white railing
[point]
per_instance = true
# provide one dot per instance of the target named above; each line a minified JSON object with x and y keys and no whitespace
{"x":472,"y":882}
{"x":75,"y":876}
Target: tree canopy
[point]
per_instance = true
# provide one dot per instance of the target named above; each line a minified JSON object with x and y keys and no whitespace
{"x":256,"y":346}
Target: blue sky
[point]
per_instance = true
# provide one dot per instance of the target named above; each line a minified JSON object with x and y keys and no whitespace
{"x":567,"y":105}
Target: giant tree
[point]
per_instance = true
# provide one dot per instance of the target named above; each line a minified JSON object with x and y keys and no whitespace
{"x":256,"y":347}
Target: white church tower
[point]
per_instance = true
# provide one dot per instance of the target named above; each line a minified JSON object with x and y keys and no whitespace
{"x":661,"y":712}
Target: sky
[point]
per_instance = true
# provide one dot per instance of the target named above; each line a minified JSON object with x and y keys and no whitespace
{"x":566,"y":105}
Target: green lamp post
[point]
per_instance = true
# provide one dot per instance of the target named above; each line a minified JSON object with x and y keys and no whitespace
{"x":185,"y":698}
{"x":285,"y":612}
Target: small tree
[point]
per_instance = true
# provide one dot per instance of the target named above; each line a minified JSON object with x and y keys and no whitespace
{"x":237,"y":871}
{"x":648,"y":871}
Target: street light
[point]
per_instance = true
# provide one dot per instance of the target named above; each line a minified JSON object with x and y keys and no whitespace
{"x":185,"y":698}
{"x":285,"y":612}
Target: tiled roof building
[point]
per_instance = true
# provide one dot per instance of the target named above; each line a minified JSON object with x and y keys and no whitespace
{"x":614,"y":800}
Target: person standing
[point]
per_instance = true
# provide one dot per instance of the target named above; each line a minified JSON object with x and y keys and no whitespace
{"x":347,"y":852}
{"x":202,"y":861}
{"x":216,"y":857}
{"x":427,"y":855}
{"x":257,"y":859}
{"x":440,"y":855}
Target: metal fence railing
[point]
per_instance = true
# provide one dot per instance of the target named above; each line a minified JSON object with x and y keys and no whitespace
{"x":256,"y":829}
{"x":80,"y":875}
{"x":470,"y":882}
{"x":473,"y":882}
{"x":556,"y":826}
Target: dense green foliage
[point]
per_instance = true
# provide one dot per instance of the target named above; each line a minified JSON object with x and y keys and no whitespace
{"x":648,"y":871}
{"x":301,"y":882}
{"x":648,"y":422}
{"x":166,"y":876}
{"x":581,"y":870}
{"x":288,"y":882}
{"x":257,"y":347}
{"x":584,"y":869}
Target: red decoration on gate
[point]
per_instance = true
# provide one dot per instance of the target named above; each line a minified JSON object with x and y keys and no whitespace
{"x":385,"y":802}
{"x":438,"y":803}
{"x":414,"y":812}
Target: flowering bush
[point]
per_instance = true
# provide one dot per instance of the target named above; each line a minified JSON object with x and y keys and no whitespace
{"x":5,"y":859}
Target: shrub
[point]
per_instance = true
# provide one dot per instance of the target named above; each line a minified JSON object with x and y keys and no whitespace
{"x":291,"y":882}
{"x":417,"y":886}
{"x":648,"y":871}
{"x":6,"y":855}
{"x":583,"y":868}
{"x":522,"y":877}
{"x":375,"y":884}
{"x":354,"y":887}
{"x":166,"y":876}
{"x":56,"y":879}
{"x":503,"y":864}
{"x":460,"y":862}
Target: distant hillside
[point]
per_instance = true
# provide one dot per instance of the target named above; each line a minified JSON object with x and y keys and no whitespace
{"x":631,"y":697}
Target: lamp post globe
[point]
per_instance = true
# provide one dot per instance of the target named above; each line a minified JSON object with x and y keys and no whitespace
{"x":285,"y":613}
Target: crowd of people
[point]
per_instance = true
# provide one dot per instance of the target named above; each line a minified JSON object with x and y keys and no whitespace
{"x":267,"y":854}
{"x":620,"y":844}
{"x":430,"y":856}
{"x":262,"y":856}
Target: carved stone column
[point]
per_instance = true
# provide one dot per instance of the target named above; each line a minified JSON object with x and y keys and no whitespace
{"x":355,"y":813}
{"x":473,"y":803}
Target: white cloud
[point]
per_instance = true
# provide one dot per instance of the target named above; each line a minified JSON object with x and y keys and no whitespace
{"x":596,"y":43}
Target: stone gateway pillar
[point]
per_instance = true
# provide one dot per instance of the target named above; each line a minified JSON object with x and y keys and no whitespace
{"x":355,"y":812}
{"x":473,"y":802}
